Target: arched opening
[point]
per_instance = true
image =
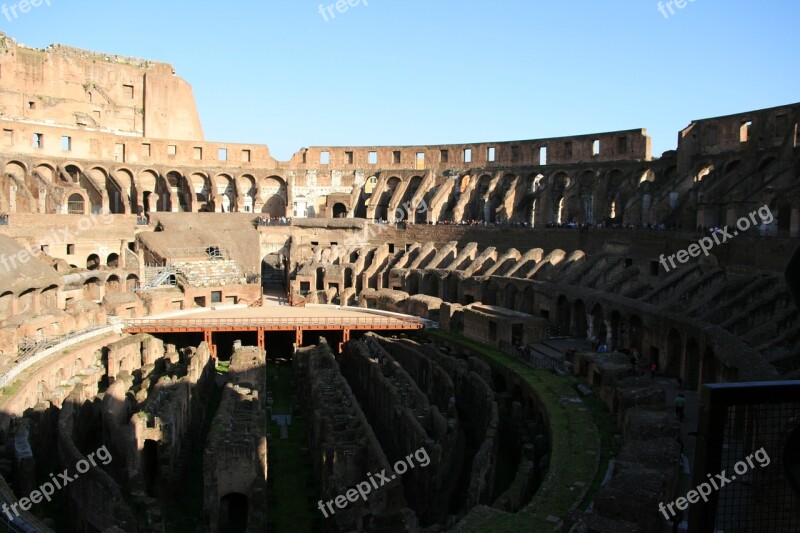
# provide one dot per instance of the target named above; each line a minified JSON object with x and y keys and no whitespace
{"x":581,"y":327}
{"x":93,"y":262}
{"x":76,"y":205}
{"x":150,"y":466}
{"x":233,"y":512}
{"x":562,"y":316}
{"x":635,"y":333}
{"x":113,"y":284}
{"x":672,"y":366}
{"x":510,"y":297}
{"x":91,"y":289}
{"x":131,"y":283}
{"x":6,"y":304}
{"x":274,"y":196}
{"x":433,"y":286}
{"x":382,"y":205}
{"x":413,"y":284}
{"x":320,"y":279}
{"x":26,"y":301}
{"x":272,"y":273}
{"x":598,"y":324}
{"x":452,"y":289}
{"x":526,"y":305}
{"x":348,"y":278}
{"x":112,"y":260}
{"x":339,"y":210}
{"x":709,"y":367}
{"x":490,"y":293}
{"x":691,"y":365}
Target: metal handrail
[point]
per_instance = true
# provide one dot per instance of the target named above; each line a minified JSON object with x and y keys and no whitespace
{"x":271,"y":321}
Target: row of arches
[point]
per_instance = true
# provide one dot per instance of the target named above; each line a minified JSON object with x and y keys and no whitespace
{"x":678,"y":350}
{"x":128,"y":191}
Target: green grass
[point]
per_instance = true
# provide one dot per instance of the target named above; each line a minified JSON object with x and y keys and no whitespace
{"x":579,"y":446}
{"x":291,"y":490}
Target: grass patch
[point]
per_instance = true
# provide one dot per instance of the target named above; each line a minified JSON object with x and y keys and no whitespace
{"x":576,"y":449}
{"x":291,"y":491}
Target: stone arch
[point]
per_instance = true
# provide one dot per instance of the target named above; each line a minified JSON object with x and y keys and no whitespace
{"x":635,"y":333}
{"x":93,"y":262}
{"x":490,"y":291}
{"x":224,"y":190}
{"x":6,"y":304}
{"x":147,"y":185}
{"x":91,"y":289}
{"x":510,"y":296}
{"x":76,"y":203}
{"x":339,"y":210}
{"x":233,"y":512}
{"x":708,"y":368}
{"x":672,"y":365}
{"x":382,"y":205}
{"x":691,"y":365}
{"x":26,"y":300}
{"x":179,"y":192}
{"x":563,"y":315}
{"x":49,"y":297}
{"x":246,"y":186}
{"x":131,"y":283}
{"x":585,"y":196}
{"x":527,"y":303}
{"x":112,"y":260}
{"x":200,"y":185}
{"x":580,"y":327}
{"x":598,"y":323}
{"x":273,"y":194}
{"x":113,"y":284}
{"x":122,"y":180}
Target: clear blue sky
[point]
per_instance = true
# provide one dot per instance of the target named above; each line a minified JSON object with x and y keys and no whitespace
{"x":445,"y":71}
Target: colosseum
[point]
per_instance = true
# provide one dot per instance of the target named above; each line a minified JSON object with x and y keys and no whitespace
{"x":198,"y":337}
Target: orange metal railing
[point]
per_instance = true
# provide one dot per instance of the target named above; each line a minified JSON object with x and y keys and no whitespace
{"x":286,"y":322}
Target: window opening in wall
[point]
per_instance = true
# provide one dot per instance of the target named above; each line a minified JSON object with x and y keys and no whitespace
{"x":744,"y":132}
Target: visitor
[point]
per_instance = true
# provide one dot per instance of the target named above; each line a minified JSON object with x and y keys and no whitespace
{"x":602,"y":348}
{"x":653,"y":368}
{"x":680,"y":406}
{"x":595,"y":342}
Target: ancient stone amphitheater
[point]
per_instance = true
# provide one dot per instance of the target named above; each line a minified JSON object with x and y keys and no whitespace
{"x":203,"y":338}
